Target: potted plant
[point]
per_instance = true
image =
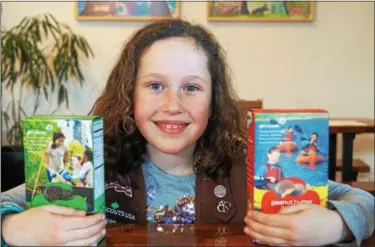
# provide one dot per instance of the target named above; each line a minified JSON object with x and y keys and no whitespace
{"x":40,"y":55}
{"x":43,"y":55}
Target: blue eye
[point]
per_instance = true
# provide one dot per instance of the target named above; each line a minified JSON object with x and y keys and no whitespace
{"x":156,"y":86}
{"x":191,"y":88}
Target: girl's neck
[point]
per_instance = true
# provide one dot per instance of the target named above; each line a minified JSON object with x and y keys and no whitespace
{"x":180,"y":164}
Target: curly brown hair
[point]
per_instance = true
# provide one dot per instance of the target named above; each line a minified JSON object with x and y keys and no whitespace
{"x":125,"y":147}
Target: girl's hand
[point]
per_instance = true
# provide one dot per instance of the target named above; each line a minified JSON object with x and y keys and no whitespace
{"x":297,"y":225}
{"x":272,"y":179}
{"x":53,"y":225}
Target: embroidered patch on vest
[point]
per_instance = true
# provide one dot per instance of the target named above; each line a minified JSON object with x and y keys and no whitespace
{"x":116,"y":211}
{"x":127,"y":190}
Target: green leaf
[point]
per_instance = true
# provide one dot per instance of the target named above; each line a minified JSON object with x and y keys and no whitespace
{"x":8,"y":106}
{"x":54,"y":31}
{"x":45,"y":93}
{"x":82,"y":46}
{"x":22,"y":111}
{"x":80,"y":76}
{"x":66,"y":27}
{"x":66,"y":98}
{"x":37,"y":32}
{"x":6,"y":119}
{"x":45,"y":29}
{"x":86,"y":45}
{"x":12,"y":134}
{"x":37,"y":102}
{"x":14,"y":113}
{"x":55,"y":23}
{"x":61,"y":95}
{"x":24,"y":24}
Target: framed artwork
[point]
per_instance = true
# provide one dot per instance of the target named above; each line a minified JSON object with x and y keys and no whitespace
{"x":261,"y":11}
{"x":127,"y":10}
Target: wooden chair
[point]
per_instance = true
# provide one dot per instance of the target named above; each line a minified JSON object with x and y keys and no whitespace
{"x":245,"y":105}
{"x":251,"y":104}
{"x":364,"y":185}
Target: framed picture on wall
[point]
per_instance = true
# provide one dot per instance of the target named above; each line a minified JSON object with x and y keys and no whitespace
{"x":261,"y":11}
{"x":127,"y":10}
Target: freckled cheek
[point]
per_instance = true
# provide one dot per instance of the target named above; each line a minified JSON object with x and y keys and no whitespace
{"x":199,"y":109}
{"x":142,"y":114}
{"x":201,"y":118}
{"x":144,"y":108}
{"x":200,"y":114}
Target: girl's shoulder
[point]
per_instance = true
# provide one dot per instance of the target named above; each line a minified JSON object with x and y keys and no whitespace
{"x":88,"y":164}
{"x":66,"y":147}
{"x":49,"y":145}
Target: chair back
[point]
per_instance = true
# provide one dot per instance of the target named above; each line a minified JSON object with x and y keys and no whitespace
{"x":245,"y":106}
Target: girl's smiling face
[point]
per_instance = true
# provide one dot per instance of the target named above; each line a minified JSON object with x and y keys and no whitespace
{"x":60,"y":141}
{"x":172,"y":94}
{"x":76,"y":160}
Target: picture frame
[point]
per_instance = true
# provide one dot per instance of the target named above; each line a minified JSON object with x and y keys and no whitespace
{"x":261,"y":11}
{"x":127,"y":10}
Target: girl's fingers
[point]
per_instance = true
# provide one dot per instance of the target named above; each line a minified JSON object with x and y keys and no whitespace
{"x":91,"y":241}
{"x":65,"y":211}
{"x":267,"y":230}
{"x":277,"y":220}
{"x":73,"y":223}
{"x":262,"y":239}
{"x":84,"y":233}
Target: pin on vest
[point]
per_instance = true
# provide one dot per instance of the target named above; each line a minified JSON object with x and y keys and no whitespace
{"x":223,"y":206}
{"x":220,"y":191}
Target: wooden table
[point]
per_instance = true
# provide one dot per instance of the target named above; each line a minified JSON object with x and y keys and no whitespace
{"x":348,"y":127}
{"x":179,"y":235}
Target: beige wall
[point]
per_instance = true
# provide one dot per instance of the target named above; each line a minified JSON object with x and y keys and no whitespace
{"x":327,"y":64}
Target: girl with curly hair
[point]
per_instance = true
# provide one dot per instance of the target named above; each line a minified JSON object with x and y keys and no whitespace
{"x":173,"y":132}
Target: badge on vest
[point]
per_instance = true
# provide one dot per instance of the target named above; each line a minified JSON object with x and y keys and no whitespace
{"x":127,"y":190}
{"x":220,"y":191}
{"x":223,"y":206}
